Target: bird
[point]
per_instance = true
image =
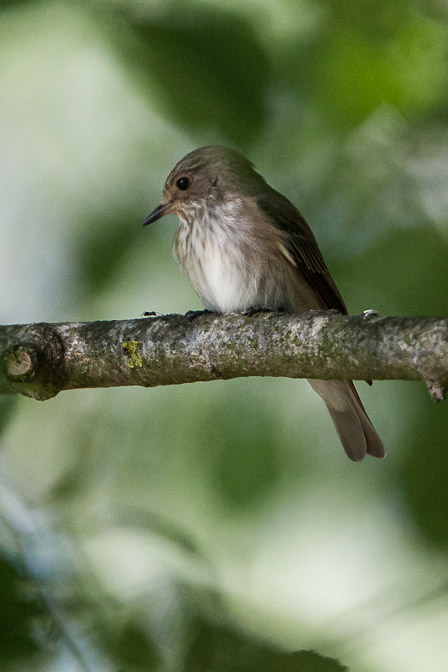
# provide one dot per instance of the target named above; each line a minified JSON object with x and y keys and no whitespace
{"x":246,"y":248}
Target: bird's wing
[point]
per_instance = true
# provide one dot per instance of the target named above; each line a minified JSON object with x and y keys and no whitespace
{"x":300,"y":247}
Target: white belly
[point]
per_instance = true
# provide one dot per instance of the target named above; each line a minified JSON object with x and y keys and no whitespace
{"x":219,"y":282}
{"x":216,"y":269}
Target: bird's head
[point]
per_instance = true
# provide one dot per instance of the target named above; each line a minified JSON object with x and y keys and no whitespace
{"x":207,"y":175}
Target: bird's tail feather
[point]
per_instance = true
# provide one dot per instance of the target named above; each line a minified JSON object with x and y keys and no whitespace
{"x":357,"y":434}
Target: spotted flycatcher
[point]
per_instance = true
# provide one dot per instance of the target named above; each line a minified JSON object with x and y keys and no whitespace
{"x":245,"y":247}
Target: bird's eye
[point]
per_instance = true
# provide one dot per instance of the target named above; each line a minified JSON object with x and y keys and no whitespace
{"x":183,"y":183}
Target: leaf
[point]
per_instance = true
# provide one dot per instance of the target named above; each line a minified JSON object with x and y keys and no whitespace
{"x":218,"y":649}
{"x":207,"y":70}
{"x":134,"y":650}
{"x":359,"y":74}
{"x":17,"y":613}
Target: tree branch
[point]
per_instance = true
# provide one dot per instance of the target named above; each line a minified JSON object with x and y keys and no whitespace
{"x":39,"y":360}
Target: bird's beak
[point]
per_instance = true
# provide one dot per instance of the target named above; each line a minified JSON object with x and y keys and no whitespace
{"x":161,"y":210}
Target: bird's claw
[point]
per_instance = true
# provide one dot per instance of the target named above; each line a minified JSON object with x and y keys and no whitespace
{"x":193,"y":314}
{"x":369,"y":313}
{"x":253,"y":311}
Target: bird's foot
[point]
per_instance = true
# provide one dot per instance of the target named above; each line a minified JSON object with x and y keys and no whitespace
{"x":193,"y":314}
{"x":253,"y":311}
{"x":367,"y":314}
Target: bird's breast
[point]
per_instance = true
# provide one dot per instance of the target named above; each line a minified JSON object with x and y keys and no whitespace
{"x":211,"y":253}
{"x":235,"y":262}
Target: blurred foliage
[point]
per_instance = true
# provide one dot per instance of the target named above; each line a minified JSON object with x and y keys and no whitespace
{"x":424,"y":480}
{"x":204,"y":64}
{"x":247,"y":463}
{"x":219,"y":527}
{"x":133,"y":649}
{"x":216,"y":648}
{"x":18,"y":610}
{"x":7,"y":405}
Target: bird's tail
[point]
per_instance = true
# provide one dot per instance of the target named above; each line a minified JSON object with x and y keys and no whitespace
{"x":357,"y":434}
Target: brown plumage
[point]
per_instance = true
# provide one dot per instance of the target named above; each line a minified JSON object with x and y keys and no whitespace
{"x":245,"y":246}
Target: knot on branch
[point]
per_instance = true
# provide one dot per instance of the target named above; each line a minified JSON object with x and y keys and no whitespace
{"x":19,"y":363}
{"x":34,"y":365}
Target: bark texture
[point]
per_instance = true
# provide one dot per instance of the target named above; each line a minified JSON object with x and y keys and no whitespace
{"x":39,"y":360}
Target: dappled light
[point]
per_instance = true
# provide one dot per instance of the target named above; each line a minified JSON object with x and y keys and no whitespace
{"x":219,"y":526}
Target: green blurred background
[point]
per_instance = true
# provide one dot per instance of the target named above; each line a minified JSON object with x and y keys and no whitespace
{"x":220,"y":526}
